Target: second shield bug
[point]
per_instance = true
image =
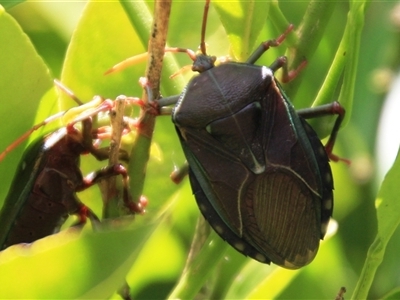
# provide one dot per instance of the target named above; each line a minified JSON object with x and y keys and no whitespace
{"x":43,"y":192}
{"x":258,"y":171}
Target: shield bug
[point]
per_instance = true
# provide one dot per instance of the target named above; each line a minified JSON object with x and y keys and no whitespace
{"x":43,"y":192}
{"x":258,"y":171}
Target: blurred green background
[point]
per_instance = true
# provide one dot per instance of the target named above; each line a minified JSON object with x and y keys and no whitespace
{"x":50,"y":26}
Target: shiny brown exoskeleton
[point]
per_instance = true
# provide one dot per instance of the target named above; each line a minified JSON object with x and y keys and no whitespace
{"x":43,"y":192}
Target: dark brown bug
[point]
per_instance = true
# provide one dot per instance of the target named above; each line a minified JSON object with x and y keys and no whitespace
{"x":259,"y":173}
{"x":43,"y":192}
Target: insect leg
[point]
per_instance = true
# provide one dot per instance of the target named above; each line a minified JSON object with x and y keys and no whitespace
{"x":115,"y":170}
{"x":267,"y":44}
{"x":179,"y":173}
{"x":333,"y":108}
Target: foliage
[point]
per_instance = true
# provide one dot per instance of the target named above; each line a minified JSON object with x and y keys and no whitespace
{"x":151,"y":251}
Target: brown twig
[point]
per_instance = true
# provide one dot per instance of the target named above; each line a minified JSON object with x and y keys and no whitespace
{"x":141,"y":149}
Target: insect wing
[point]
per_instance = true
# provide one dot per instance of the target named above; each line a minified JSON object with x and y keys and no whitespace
{"x":33,"y":212}
{"x":21,"y":187}
{"x":208,"y":187}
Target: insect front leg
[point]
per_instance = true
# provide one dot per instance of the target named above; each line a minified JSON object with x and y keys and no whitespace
{"x":264,"y":46}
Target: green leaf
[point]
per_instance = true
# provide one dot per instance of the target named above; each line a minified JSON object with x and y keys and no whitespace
{"x":388,"y":213}
{"x":24,"y":79}
{"x":392,"y":295}
{"x":71,"y":264}
{"x":200,"y":268}
{"x":97,"y":44}
{"x":10,"y":3}
{"x":243,"y":21}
